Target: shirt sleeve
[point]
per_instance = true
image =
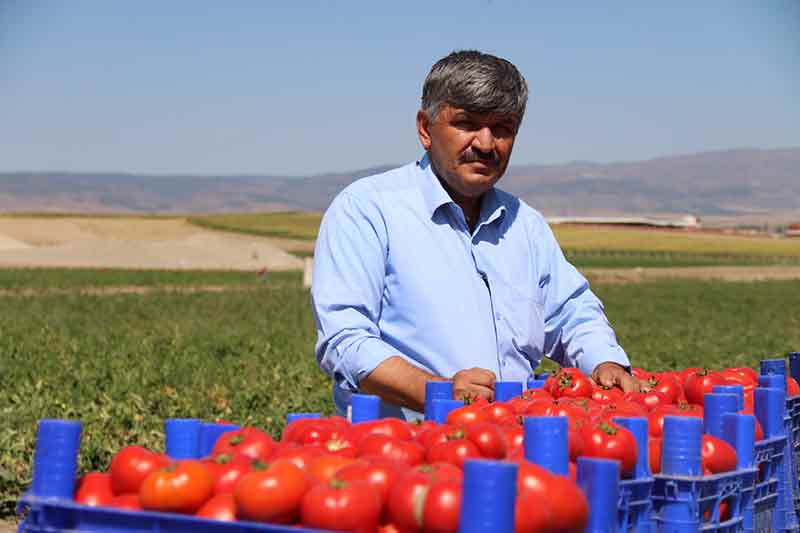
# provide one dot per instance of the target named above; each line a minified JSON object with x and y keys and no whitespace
{"x":347,"y":289}
{"x":577,"y":332}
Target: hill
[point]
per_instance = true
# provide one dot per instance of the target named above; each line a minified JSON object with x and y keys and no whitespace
{"x":731,"y":183}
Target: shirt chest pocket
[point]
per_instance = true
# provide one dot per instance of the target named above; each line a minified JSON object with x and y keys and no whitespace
{"x":522,"y":316}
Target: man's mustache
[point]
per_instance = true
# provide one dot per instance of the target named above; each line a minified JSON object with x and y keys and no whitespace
{"x":470,"y":156}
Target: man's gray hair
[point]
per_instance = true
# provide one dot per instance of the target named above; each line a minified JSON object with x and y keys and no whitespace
{"x":476,"y":82}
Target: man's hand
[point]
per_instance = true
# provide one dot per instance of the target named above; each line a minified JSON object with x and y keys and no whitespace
{"x":610,"y":374}
{"x":473,"y":382}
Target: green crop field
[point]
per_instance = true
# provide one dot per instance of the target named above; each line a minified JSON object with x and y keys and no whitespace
{"x":124,"y":363}
{"x":290,"y":225}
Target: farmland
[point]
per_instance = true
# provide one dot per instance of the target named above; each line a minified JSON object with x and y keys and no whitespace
{"x":123,"y":363}
{"x":123,"y":348}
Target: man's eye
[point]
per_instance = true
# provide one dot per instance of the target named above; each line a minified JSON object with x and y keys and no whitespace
{"x":502,"y":131}
{"x":465,"y":125}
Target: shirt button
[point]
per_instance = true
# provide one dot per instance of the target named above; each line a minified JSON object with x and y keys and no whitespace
{"x":498,"y":316}
{"x":505,"y":363}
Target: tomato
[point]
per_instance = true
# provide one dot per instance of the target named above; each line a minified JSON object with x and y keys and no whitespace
{"x":271,"y":494}
{"x":393,"y":427}
{"x":686,"y":372}
{"x":515,"y":437}
{"x":379,"y":473}
{"x":131,"y":465}
{"x":520,"y":403}
{"x":179,"y":487}
{"x":566,"y":506}
{"x":441,"y":507}
{"x":226,"y":470}
{"x":438,"y":433}
{"x":606,"y":395}
{"x":343,"y":506}
{"x":405,"y":451}
{"x":301,"y":456}
{"x":454,"y":451}
{"x":94,"y":489}
{"x":608,"y":440}
{"x":496,"y":411}
{"x":650,"y":400}
{"x":701,"y":383}
{"x":654,"y":446}
{"x":530,"y":516}
{"x":220,"y":507}
{"x":571,"y":383}
{"x":655,"y":420}
{"x":407,"y":498}
{"x":340,"y":444}
{"x":718,"y":455}
{"x":668,"y":385}
{"x":490,"y":439}
{"x":792,"y":387}
{"x":323,"y":468}
{"x":129,"y":502}
{"x":251,"y":442}
{"x":734,"y":376}
{"x":466,"y":415}
{"x":419,"y":427}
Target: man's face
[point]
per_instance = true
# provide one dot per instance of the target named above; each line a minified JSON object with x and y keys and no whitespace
{"x":469,"y":152}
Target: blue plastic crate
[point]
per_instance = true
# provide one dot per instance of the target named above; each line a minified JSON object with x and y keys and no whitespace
{"x":635,"y":505}
{"x":768,"y":460}
{"x":700,"y":499}
{"x":65,"y":516}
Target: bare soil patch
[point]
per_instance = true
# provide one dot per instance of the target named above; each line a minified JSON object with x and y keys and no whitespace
{"x":135,"y":243}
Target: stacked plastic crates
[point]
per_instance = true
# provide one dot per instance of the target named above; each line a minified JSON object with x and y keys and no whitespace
{"x":793,"y":409}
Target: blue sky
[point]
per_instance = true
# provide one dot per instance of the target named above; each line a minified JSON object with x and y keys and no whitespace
{"x":296,"y":88}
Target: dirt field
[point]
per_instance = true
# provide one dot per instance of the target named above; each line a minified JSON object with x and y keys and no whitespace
{"x":8,"y":527}
{"x":135,"y":243}
{"x":722,"y":273}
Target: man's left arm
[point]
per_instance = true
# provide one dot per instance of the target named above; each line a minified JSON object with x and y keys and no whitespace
{"x":577,"y":332}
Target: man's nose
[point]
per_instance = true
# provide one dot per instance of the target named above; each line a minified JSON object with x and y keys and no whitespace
{"x":484,"y":140}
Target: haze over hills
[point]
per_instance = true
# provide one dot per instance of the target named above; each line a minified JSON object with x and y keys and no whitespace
{"x":732,"y":183}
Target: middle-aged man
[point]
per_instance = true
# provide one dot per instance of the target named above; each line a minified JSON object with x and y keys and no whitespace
{"x":429,"y":272}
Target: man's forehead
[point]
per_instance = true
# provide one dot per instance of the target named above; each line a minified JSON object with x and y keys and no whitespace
{"x":465,"y":113}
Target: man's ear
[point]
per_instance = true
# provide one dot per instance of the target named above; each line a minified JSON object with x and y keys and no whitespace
{"x":423,"y":125}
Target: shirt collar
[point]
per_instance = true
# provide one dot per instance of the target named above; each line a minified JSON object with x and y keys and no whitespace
{"x":435,"y":196}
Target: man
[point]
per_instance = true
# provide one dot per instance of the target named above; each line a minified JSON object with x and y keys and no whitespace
{"x":428,"y":272}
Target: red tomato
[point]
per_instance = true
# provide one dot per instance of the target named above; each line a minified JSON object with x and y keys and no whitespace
{"x":308,"y":430}
{"x":438,"y":433}
{"x":179,"y":487}
{"x":323,"y":468}
{"x":701,"y":383}
{"x":515,"y":437}
{"x":489,"y":439}
{"x":442,"y":506}
{"x":606,"y":395}
{"x":379,"y":473}
{"x":734,"y":376}
{"x":571,"y":383}
{"x":469,"y":414}
{"x":520,"y":403}
{"x":655,"y":420}
{"x":650,"y":400}
{"x":94,"y":489}
{"x":608,"y":440}
{"x":220,"y":507}
{"x":566,"y":506}
{"x":654,"y":446}
{"x":454,"y":451}
{"x":530,"y":516}
{"x":668,"y":385}
{"x":393,"y":427}
{"x":792,"y":387}
{"x":131,"y":465}
{"x":339,"y":444}
{"x":408,"y":452}
{"x":226,"y":470}
{"x":129,"y":502}
{"x":272,"y":494}
{"x":301,"y":456}
{"x":718,"y":455}
{"x":407,"y":498}
{"x":343,"y":506}
{"x":418,"y":427}
{"x":686,"y":372}
{"x":251,"y":442}
{"x":496,"y":411}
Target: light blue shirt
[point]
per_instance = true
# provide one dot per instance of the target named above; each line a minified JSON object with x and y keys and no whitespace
{"x":398,"y":272}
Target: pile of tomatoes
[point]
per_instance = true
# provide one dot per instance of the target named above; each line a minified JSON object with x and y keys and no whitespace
{"x":389,"y":475}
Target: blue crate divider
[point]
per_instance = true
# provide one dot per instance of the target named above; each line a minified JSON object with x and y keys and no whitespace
{"x":635,"y":506}
{"x":686,"y":501}
{"x":768,"y":461}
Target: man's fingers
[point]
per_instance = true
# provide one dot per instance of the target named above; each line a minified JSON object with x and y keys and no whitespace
{"x":481,"y":376}
{"x":472,"y":390}
{"x":628,"y":383}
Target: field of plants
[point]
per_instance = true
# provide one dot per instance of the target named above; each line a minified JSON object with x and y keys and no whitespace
{"x":123,"y":363}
